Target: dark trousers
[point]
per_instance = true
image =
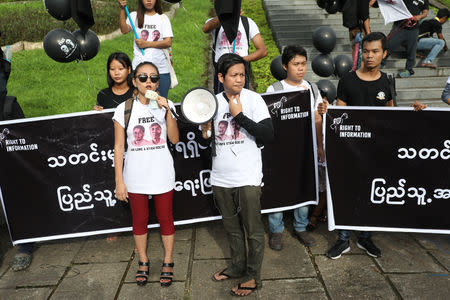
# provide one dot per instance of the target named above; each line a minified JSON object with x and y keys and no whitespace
{"x":409,"y":38}
{"x":241,"y":216}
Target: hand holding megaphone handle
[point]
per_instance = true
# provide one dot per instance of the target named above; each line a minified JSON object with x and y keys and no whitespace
{"x":206,"y":127}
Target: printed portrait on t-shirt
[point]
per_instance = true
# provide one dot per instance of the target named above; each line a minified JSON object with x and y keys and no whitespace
{"x":138,"y":134}
{"x":156,"y":35}
{"x":155,"y":134}
{"x":222,"y":130}
{"x":224,"y":40}
{"x":144,"y":34}
{"x":236,"y":133}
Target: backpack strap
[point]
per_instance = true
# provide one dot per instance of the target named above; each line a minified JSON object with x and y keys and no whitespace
{"x":391,"y":80}
{"x":277,"y":86}
{"x":244,"y":20}
{"x":127,"y":114}
{"x":315,"y":90}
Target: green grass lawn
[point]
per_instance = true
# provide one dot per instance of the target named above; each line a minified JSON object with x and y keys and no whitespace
{"x":45,"y":87}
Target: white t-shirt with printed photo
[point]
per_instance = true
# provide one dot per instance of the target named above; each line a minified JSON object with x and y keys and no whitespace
{"x":156,"y":28}
{"x":223,"y":45}
{"x":148,"y":167}
{"x":238,"y":161}
{"x":303,"y":86}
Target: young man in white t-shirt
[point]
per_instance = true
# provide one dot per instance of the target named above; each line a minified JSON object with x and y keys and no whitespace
{"x":236,"y":174}
{"x":294,"y":60}
{"x":241,"y":47}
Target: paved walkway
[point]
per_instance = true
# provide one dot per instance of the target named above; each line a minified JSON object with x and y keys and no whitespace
{"x":412,"y":266}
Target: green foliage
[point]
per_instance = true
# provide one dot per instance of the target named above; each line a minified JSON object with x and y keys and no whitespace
{"x":45,"y":87}
{"x":261,"y":69}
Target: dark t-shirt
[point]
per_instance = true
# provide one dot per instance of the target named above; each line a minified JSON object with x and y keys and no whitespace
{"x":107,"y":99}
{"x":429,"y":27}
{"x":356,"y":92}
{"x":415,"y":7}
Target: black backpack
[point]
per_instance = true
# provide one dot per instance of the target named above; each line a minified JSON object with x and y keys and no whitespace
{"x":10,"y":108}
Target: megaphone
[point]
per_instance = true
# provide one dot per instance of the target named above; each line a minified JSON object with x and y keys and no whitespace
{"x":199,"y":105}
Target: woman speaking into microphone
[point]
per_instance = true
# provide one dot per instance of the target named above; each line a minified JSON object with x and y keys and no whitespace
{"x":148,"y":168}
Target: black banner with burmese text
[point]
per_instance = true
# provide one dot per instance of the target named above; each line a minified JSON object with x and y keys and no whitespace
{"x":57,"y":174}
{"x":388,"y":169}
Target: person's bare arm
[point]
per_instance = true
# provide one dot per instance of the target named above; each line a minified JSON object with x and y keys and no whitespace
{"x":119,"y":142}
{"x":211,"y":25}
{"x":423,"y":15}
{"x":124,"y":27}
{"x":261,"y":50}
{"x":165,"y":43}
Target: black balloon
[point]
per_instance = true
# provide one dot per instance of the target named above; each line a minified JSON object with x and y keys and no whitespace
{"x":89,"y":44}
{"x":61,"y":45}
{"x":342,"y":65}
{"x":327,"y":89}
{"x":322,"y":3}
{"x":324,"y":39}
{"x":59,"y":9}
{"x":332,"y":6}
{"x":323,"y":65}
{"x":276,"y":68}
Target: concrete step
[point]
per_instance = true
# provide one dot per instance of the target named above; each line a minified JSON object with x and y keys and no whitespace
{"x":417,"y":94}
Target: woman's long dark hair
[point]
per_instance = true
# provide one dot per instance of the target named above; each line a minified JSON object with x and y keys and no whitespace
{"x":141,"y":11}
{"x":126,"y":63}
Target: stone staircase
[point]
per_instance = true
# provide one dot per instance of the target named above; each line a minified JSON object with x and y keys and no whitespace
{"x":294,"y":21}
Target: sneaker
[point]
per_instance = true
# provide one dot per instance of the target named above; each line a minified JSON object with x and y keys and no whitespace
{"x":305,"y":238}
{"x":275,"y":241}
{"x":21,"y":261}
{"x":404,"y":74}
{"x":340,"y":247}
{"x":369,"y":246}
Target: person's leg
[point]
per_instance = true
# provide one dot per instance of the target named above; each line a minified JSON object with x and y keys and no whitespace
{"x":249,"y":199}
{"x":433,"y":45}
{"x":276,"y":224}
{"x":396,"y":38}
{"x":300,"y":223}
{"x":164,"y":84}
{"x":411,"y":45}
{"x":139,"y":212}
{"x":164,"y":213}
{"x":228,"y":206}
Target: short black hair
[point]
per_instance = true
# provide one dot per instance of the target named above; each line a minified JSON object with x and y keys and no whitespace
{"x":376,"y":36}
{"x":443,"y":12}
{"x":228,"y":60}
{"x":124,"y":60}
{"x":289,"y":52}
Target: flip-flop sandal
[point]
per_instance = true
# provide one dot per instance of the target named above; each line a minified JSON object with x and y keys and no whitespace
{"x":21,"y":261}
{"x":247,"y":288}
{"x":222,"y":273}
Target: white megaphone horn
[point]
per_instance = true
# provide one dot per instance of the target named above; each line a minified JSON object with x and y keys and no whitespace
{"x":199,"y":105}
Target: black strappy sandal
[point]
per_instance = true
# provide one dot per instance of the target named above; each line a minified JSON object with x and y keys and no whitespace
{"x":142,"y":274}
{"x":244,"y":288}
{"x":165,"y":275}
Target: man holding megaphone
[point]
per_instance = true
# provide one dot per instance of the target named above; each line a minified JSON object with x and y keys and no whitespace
{"x":236,"y":174}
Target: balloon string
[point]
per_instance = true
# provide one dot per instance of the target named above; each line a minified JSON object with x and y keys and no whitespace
{"x":93,"y":88}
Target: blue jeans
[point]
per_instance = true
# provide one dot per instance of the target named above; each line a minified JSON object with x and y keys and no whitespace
{"x":345,"y":234}
{"x":276,"y":224}
{"x":434,"y":45}
{"x":164,"y":84}
{"x":26,"y":248}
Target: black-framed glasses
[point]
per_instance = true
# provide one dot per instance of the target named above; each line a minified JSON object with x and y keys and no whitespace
{"x":153,"y":78}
